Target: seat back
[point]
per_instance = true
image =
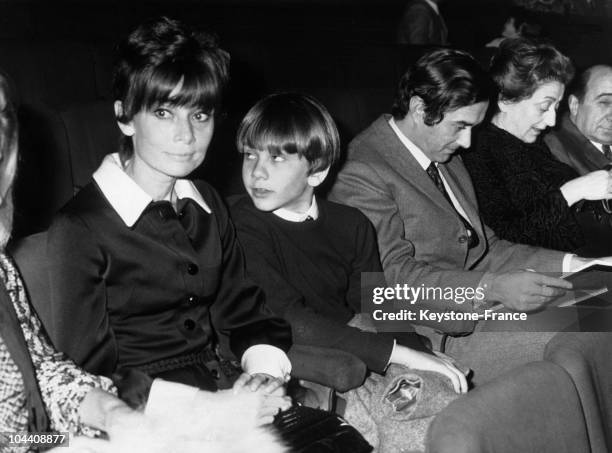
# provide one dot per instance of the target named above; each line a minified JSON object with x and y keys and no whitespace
{"x":30,"y":255}
{"x":587,"y":358}
{"x":92,"y":133}
{"x":532,"y":409}
{"x":333,"y":368}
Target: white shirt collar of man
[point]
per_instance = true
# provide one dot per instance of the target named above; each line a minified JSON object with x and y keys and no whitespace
{"x":127,"y":198}
{"x":425,"y":162}
{"x":419,"y":155}
{"x":291,"y":216}
{"x":599,"y":146}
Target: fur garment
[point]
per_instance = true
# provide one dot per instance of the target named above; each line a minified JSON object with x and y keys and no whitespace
{"x":182,"y":419}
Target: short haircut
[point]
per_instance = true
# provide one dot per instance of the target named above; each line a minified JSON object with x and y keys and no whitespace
{"x":578,"y":86}
{"x":446,"y":80}
{"x":155,"y":58}
{"x":521,"y":65}
{"x":293,"y":123}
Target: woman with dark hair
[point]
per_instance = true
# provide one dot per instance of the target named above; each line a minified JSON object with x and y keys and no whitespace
{"x":525,"y":195}
{"x":45,"y":399}
{"x":146,"y":272}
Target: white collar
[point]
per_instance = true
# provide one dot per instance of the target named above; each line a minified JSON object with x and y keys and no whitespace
{"x":127,"y":198}
{"x":292,"y":216}
{"x":419,"y":155}
{"x":434,"y":6}
{"x":599,"y":146}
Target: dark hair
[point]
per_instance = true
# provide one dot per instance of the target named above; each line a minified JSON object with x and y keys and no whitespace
{"x":8,"y":119}
{"x":521,"y":65}
{"x":8,"y":154}
{"x":291,"y":123}
{"x":445,"y":80}
{"x":155,"y":58}
{"x":578,"y":87}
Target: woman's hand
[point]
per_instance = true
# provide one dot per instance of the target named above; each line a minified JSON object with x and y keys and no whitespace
{"x":272,"y":392}
{"x":596,"y":185}
{"x":421,"y":361}
{"x":259,"y":382}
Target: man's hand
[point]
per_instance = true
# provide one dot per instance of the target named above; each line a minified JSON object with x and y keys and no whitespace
{"x":418,"y":360}
{"x":525,"y":291}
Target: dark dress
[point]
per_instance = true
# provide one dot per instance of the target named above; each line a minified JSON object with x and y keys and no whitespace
{"x":311,"y":274}
{"x":158,"y":293}
{"x":518,"y":189}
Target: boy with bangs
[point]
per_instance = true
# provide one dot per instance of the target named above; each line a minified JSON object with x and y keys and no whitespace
{"x":308,"y":253}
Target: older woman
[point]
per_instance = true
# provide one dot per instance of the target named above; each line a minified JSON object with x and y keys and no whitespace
{"x":146,"y":272}
{"x":524,"y":193}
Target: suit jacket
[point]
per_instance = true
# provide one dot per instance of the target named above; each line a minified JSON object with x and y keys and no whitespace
{"x":571,"y":147}
{"x":421,"y":25}
{"x":421,"y":239}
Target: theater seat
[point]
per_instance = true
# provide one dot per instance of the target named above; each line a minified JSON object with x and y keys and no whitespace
{"x":92,"y":133}
{"x":532,"y":409}
{"x":337,"y":369}
{"x":587,"y":358}
{"x":29,"y":254}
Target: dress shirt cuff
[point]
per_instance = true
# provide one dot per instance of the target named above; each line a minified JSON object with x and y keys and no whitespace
{"x":267,"y":359}
{"x":484,"y":284}
{"x":165,"y":395}
{"x":567,"y":263}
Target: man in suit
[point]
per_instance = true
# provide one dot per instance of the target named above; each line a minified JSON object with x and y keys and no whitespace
{"x":403,"y":174}
{"x":584,"y":136}
{"x":422,"y":24}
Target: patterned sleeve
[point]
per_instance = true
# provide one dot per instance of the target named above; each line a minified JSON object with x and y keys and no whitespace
{"x":62,"y":384}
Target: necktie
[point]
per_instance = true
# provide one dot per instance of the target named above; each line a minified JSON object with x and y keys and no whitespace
{"x":607,"y":152}
{"x":434,"y":174}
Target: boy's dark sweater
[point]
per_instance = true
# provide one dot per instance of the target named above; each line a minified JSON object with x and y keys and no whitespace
{"x":311,"y":274}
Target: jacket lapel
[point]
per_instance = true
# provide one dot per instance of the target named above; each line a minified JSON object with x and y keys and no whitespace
{"x":459,"y":182}
{"x":395,"y":153}
{"x":586,"y":151}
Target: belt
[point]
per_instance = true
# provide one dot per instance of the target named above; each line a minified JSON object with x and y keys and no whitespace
{"x":197,"y":358}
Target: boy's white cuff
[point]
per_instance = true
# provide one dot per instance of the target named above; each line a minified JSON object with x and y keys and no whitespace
{"x":267,"y":359}
{"x":567,"y":262}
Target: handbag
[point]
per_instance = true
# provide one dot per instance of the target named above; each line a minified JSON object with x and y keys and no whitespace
{"x":308,"y":430}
